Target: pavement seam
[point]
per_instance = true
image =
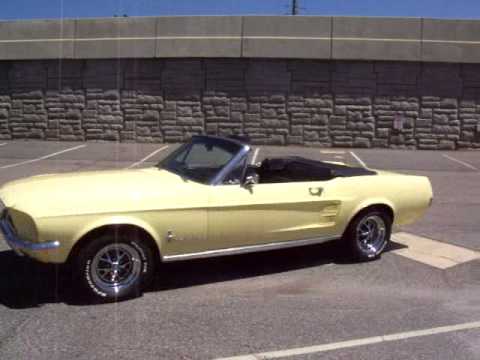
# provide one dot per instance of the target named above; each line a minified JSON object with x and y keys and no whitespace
{"x":15,"y":331}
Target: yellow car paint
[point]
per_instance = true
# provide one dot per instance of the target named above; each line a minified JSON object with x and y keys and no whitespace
{"x":66,"y":207}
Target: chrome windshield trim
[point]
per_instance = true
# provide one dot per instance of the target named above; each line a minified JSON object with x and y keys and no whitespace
{"x":18,"y":244}
{"x":232,"y":164}
{"x":248,"y":249}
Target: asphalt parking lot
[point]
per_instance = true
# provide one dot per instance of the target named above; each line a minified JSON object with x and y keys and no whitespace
{"x":305,"y":303}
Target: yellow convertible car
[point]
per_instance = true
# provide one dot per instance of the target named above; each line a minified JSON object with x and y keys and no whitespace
{"x":205,"y":199}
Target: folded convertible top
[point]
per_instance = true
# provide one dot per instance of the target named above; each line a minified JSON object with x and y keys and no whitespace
{"x":301,"y":169}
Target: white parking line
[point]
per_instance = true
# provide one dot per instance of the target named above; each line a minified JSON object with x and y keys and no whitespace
{"x":432,"y":252}
{"x":42,"y":157}
{"x":147,"y":157}
{"x":255,"y":155}
{"x":357,"y":342}
{"x":332,"y":151}
{"x":3,"y":144}
{"x":360,"y":161}
{"x":460,"y":162}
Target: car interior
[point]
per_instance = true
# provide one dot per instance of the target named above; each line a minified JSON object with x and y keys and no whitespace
{"x":296,"y":169}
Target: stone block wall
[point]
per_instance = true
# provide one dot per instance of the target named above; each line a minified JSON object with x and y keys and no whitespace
{"x":281,"y":102}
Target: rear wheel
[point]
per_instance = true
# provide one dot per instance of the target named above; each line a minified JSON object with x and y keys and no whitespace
{"x":115,"y":267}
{"x":368,"y":234}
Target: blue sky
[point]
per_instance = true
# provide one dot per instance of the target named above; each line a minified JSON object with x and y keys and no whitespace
{"x":28,"y":9}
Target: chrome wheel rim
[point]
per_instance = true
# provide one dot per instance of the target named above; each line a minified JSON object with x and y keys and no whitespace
{"x":115,"y":267}
{"x":372,"y":234}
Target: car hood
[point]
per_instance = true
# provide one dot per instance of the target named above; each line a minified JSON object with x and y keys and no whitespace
{"x":97,"y":192}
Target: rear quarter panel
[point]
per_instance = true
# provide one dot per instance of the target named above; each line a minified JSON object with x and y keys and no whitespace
{"x":407,"y":195}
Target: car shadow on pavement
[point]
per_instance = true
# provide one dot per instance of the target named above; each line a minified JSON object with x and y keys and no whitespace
{"x":25,"y":283}
{"x":227,"y":268}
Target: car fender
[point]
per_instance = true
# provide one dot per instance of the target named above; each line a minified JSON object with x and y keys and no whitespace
{"x":118,"y":220}
{"x":371,"y":202}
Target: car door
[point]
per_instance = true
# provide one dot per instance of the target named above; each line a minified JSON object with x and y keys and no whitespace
{"x":268,"y":213}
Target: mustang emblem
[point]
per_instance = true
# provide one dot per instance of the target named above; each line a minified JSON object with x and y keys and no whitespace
{"x":190,"y":238}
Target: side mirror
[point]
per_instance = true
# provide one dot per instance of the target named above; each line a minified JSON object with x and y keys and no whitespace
{"x":251,"y":180}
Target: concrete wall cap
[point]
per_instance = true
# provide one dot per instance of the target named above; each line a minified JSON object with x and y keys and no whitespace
{"x":260,"y":36}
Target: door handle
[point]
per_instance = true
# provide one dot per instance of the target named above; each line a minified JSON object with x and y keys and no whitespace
{"x":315,"y":191}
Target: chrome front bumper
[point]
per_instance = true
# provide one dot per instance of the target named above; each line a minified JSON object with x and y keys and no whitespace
{"x":18,"y":244}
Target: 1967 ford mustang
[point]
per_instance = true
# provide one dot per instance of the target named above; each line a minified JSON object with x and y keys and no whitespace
{"x":205,"y":199}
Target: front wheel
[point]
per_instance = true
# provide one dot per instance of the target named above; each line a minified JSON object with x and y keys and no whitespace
{"x":112,"y":268}
{"x":368,"y":234}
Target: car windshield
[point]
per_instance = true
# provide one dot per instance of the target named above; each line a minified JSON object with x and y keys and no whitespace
{"x":202,"y":158}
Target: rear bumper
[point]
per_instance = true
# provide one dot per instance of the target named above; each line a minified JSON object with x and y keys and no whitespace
{"x":18,"y":245}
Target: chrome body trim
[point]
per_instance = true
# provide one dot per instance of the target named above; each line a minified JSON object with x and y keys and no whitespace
{"x":248,"y":249}
{"x":18,"y":244}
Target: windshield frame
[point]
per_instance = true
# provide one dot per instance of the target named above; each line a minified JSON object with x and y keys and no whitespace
{"x":218,"y":178}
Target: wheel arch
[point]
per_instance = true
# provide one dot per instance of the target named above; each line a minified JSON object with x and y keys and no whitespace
{"x":381,"y":204}
{"x":116,"y":225}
